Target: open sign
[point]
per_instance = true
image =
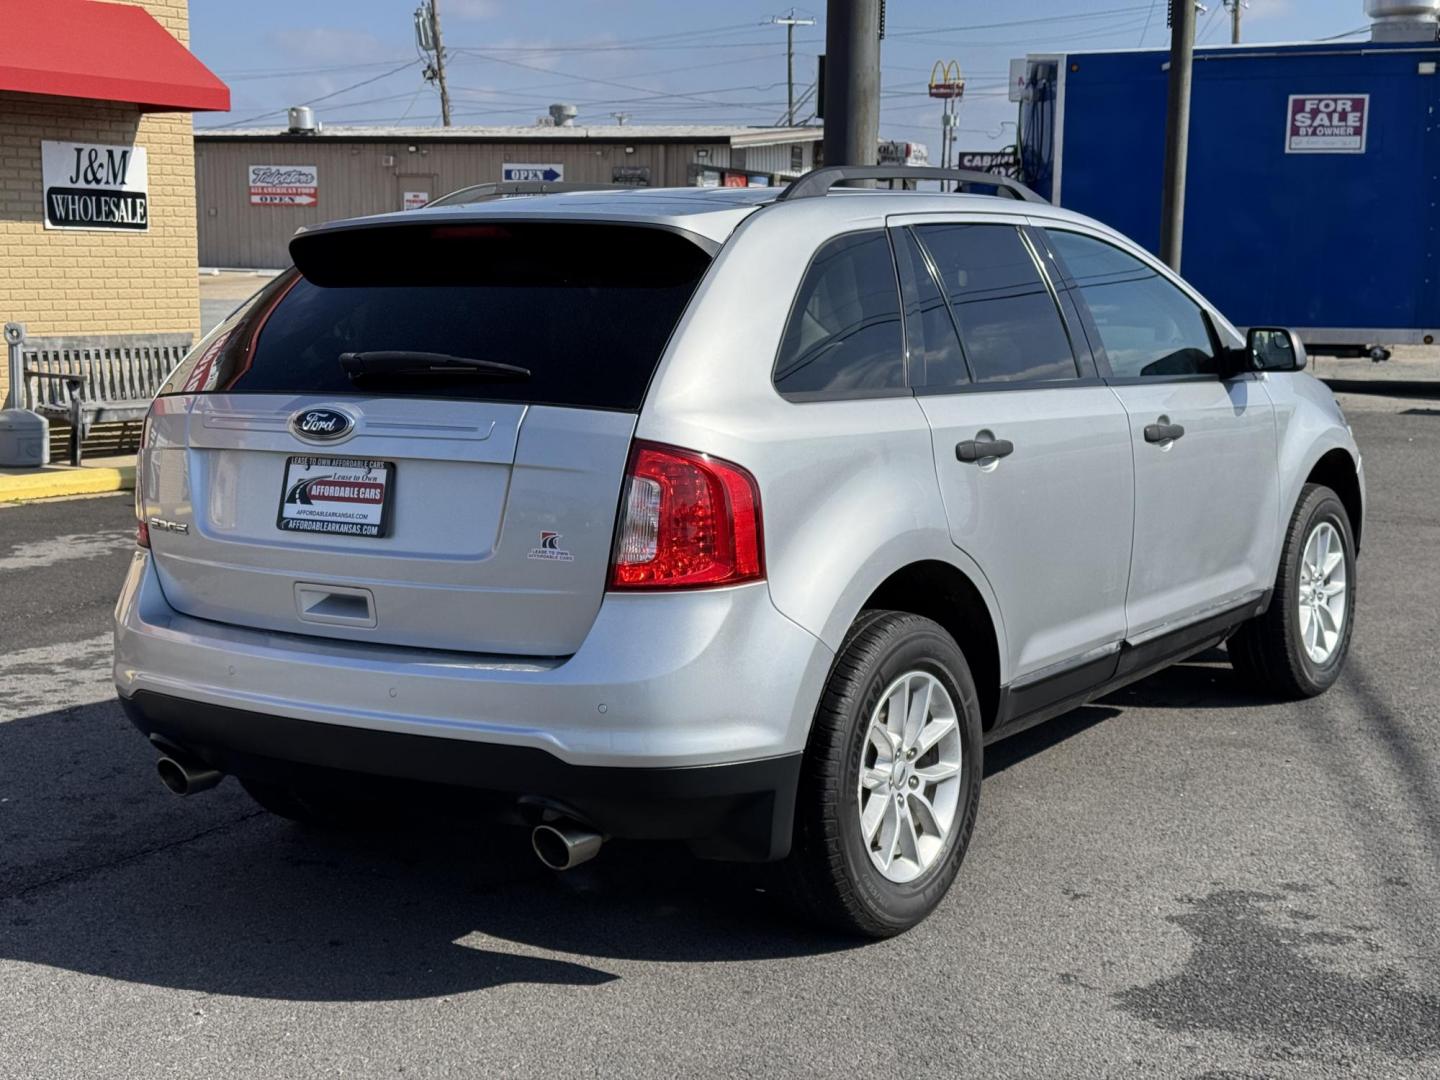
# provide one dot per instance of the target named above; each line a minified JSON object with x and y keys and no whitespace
{"x":1328,"y":123}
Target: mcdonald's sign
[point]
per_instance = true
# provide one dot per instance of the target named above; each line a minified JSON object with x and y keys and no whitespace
{"x":945,"y":80}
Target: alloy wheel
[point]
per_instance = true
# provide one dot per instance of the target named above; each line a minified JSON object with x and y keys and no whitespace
{"x":1323,"y":592}
{"x":910,"y":772}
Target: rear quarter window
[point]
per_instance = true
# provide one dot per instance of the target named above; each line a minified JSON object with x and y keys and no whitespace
{"x":587,"y":309}
{"x":844,"y":335}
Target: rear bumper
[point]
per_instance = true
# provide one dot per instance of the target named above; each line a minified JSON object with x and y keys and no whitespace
{"x":686,"y":706}
{"x":742,"y":811}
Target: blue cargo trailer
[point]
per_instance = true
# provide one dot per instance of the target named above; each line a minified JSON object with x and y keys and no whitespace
{"x":1313,"y":171}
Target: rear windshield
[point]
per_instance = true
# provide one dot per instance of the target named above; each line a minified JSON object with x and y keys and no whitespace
{"x":586,"y":310}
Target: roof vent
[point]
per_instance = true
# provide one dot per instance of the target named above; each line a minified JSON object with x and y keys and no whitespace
{"x":564,"y":115}
{"x":302,"y":120}
{"x":1403,"y":20}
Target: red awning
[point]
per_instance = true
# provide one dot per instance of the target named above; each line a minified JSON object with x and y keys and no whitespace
{"x":105,"y":51}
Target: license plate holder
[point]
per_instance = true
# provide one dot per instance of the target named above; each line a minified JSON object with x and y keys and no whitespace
{"x":337,"y":496}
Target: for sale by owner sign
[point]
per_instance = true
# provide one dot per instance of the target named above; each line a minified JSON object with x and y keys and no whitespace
{"x":1328,"y":123}
{"x":95,"y":186}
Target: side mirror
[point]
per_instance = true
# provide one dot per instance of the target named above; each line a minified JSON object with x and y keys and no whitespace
{"x":1275,"y":349}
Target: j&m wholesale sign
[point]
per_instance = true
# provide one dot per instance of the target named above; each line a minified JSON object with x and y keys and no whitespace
{"x":95,"y":186}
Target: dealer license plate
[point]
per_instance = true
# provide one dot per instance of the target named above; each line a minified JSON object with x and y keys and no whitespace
{"x":346,"y":496}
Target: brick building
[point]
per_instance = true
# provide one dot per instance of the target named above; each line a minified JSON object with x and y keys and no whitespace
{"x":97,"y":174}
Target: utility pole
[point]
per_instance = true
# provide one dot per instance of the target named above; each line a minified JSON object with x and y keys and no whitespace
{"x":1235,"y":6}
{"x":852,"y":81}
{"x":427,"y":37}
{"x":790,"y":22}
{"x":1177,"y":130}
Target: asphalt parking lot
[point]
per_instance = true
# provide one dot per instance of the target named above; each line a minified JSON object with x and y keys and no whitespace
{"x":1179,"y":881}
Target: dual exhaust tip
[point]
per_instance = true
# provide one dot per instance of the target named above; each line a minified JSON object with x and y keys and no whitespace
{"x":562,"y":845}
{"x":184,"y":775}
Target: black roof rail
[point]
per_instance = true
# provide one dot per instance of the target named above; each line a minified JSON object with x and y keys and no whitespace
{"x":499,"y":189}
{"x":819,"y":181}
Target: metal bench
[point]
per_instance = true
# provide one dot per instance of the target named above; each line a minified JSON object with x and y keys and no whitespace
{"x":97,"y":379}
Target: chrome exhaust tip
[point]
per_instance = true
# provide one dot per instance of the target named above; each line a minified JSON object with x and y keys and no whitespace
{"x":565,"y":846}
{"x":185,"y":777}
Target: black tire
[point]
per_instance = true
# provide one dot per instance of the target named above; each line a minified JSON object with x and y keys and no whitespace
{"x":829,"y":871}
{"x":1268,"y":651}
{"x":312,"y":806}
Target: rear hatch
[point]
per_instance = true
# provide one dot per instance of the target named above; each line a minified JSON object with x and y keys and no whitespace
{"x":419,"y":436}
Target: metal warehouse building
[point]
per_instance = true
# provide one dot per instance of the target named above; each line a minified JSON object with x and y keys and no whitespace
{"x":255,"y":188}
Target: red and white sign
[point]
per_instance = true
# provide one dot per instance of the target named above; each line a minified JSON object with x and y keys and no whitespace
{"x":1328,"y":123}
{"x":414,"y":200}
{"x":284,"y":185}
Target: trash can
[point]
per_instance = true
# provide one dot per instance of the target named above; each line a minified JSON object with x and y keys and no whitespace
{"x":24,"y":438}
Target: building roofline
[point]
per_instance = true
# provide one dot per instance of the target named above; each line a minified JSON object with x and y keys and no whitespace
{"x":609,"y":133}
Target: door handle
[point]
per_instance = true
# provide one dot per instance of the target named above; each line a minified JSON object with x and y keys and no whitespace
{"x":1158,"y":433}
{"x":980,"y":449}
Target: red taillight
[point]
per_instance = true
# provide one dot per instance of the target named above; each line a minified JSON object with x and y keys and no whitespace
{"x":686,"y":520}
{"x":142,"y":534}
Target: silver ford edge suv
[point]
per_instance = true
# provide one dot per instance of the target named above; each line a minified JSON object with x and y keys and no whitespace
{"x":739,"y":517}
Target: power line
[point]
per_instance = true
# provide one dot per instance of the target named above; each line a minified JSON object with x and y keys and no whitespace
{"x":1209,"y":24}
{"x":322,"y":97}
{"x":1030,"y":42}
{"x":1347,"y":33}
{"x":286,"y":72}
{"x":578,"y":78}
{"x":1149,"y":14}
{"x":771,"y":51}
{"x":669,"y":97}
{"x":1011,"y":24}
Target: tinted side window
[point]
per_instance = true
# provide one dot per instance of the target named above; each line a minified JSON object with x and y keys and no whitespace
{"x":1008,"y":321}
{"x":936,"y":358}
{"x":844,"y":331}
{"x":1147,"y":325}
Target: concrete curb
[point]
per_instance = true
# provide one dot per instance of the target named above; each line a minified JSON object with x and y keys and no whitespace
{"x":59,"y":482}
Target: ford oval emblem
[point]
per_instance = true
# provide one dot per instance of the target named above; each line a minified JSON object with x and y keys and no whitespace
{"x":321,"y":425}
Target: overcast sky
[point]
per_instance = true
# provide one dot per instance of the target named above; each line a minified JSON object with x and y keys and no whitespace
{"x":356,"y":60}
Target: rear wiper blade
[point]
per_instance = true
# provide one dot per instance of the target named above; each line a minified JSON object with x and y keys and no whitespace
{"x":411,"y":362}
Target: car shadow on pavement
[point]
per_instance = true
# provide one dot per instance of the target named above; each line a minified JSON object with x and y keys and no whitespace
{"x":104,"y":873}
{"x":1204,"y":681}
{"x":1023,"y":745}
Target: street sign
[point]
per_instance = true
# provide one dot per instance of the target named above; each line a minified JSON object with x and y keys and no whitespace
{"x":549,"y":173}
